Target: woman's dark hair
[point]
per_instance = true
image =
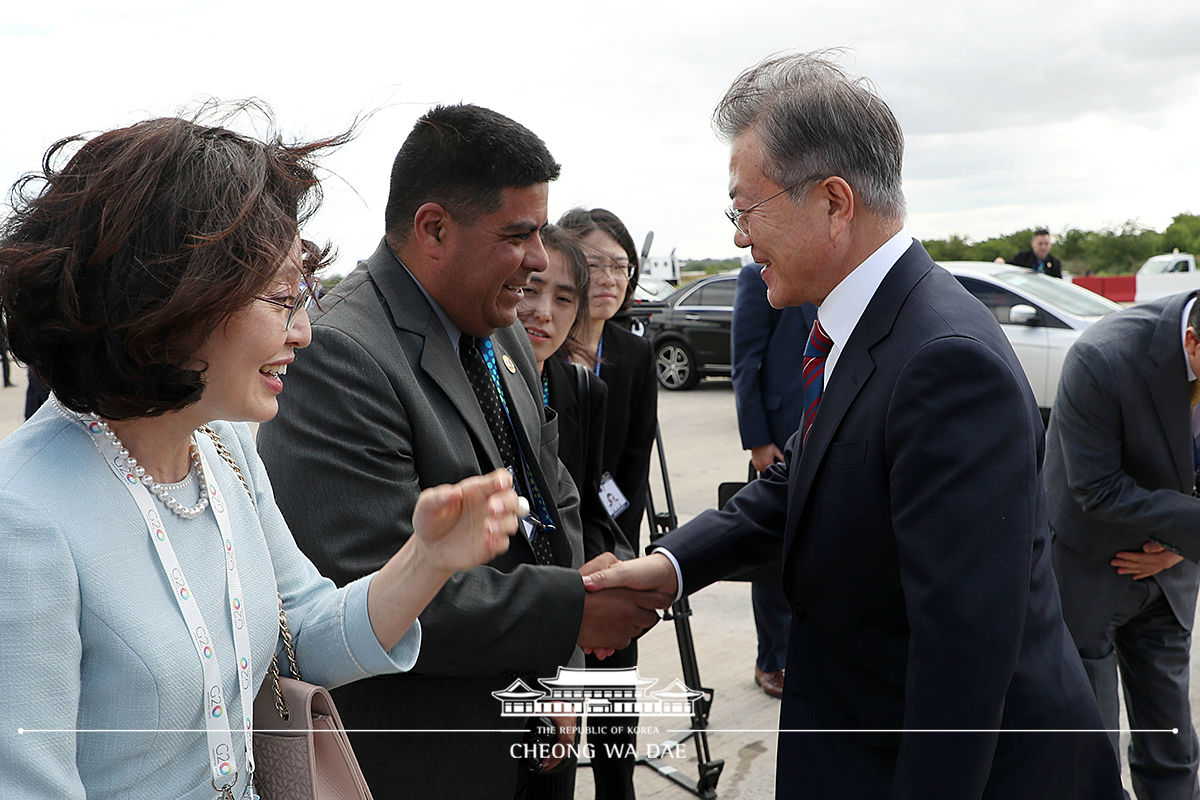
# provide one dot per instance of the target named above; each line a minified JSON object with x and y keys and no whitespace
{"x":116,"y":266}
{"x":563,"y":241}
{"x":581,"y":222}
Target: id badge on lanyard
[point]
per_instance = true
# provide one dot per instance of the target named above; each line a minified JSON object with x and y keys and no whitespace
{"x":218,"y":726}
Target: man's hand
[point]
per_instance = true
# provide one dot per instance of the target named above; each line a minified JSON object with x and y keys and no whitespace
{"x":595,"y":565}
{"x":764,"y":456}
{"x":653,"y":573}
{"x":567,"y":731}
{"x":1153,"y":559}
{"x":615,"y":617}
{"x":602,"y":561}
{"x":627,"y":606}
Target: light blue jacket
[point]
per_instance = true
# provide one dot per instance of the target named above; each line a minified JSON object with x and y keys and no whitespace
{"x":91,"y":639}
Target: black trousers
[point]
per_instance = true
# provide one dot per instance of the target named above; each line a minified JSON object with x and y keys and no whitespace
{"x":612,"y":748}
{"x":1130,"y":627}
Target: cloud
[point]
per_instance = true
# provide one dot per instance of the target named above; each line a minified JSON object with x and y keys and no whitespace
{"x":1077,"y":114}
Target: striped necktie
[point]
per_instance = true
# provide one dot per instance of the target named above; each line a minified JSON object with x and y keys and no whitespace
{"x":815,"y":353}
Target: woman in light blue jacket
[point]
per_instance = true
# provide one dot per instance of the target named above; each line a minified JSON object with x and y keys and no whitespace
{"x":156,"y":282}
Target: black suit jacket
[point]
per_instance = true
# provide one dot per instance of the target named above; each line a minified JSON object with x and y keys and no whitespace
{"x":581,"y":450}
{"x":630,"y":423}
{"x":1026,"y":258}
{"x":916,"y":559}
{"x":375,"y":410}
{"x":1119,"y":462}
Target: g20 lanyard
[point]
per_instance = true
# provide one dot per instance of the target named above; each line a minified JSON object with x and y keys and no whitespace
{"x":222,"y":760}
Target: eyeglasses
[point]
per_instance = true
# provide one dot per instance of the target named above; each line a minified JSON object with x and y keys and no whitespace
{"x":616,"y":269}
{"x":735,"y":215}
{"x":306,"y":298}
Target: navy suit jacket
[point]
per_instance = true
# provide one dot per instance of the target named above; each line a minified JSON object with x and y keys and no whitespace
{"x":917,"y":563}
{"x":768,"y":353}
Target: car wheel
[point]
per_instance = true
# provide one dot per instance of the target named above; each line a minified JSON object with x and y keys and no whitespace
{"x":676,"y":366}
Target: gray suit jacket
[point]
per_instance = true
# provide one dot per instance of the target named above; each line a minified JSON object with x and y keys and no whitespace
{"x":377,"y":409}
{"x":1119,"y":462}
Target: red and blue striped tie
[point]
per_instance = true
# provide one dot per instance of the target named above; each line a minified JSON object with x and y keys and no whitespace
{"x":815,"y":353}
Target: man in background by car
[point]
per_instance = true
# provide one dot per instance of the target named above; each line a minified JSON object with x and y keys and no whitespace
{"x":1038,"y":257}
{"x":1121,"y":472}
{"x":768,"y":386}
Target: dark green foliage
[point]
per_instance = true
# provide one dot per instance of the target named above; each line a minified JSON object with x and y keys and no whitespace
{"x":1109,"y":251}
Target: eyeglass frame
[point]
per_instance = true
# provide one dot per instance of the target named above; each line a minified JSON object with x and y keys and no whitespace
{"x":306,"y":298}
{"x":735,"y":215}
{"x":613,"y":268}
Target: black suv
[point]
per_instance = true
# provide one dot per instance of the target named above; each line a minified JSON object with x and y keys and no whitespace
{"x":690,"y":331}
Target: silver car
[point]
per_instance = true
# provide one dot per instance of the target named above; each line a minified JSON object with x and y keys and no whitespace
{"x":1041,"y":316}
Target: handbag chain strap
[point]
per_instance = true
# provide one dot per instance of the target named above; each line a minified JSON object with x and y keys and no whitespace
{"x":223,"y":451}
{"x":284,"y":632}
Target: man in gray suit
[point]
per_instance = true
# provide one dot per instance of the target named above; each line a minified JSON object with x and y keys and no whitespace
{"x":382,"y":407}
{"x":1121,"y":469}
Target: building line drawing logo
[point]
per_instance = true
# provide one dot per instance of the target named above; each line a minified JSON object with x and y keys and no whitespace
{"x":597,"y":692}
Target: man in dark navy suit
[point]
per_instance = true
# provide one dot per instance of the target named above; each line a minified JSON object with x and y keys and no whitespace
{"x":928,"y":655}
{"x":767,"y":345}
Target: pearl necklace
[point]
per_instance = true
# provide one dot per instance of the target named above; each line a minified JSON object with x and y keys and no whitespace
{"x":156,"y":488}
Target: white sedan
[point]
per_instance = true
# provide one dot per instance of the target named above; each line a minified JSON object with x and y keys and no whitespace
{"x":1041,"y":316}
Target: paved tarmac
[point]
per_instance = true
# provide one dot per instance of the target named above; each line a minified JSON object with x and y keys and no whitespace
{"x":702,"y":449}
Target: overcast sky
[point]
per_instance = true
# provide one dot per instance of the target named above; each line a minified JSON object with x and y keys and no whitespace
{"x":1072,"y":114}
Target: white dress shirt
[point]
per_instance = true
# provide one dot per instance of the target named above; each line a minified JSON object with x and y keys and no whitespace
{"x":845,"y":304}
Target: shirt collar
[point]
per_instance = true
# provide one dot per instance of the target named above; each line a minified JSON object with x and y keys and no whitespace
{"x":845,"y":304}
{"x":452,"y":331}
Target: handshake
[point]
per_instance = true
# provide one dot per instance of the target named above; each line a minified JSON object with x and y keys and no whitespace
{"x":623,"y":599}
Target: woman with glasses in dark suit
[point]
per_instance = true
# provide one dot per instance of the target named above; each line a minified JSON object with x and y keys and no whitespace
{"x":625,"y":363}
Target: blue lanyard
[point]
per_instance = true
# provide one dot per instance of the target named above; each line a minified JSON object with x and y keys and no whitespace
{"x":599,"y":353}
{"x":539,"y":503}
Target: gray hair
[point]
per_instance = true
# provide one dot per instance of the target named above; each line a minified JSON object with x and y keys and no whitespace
{"x":814,"y":121}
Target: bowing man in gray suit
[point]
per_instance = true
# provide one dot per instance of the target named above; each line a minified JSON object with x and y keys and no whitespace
{"x":418,"y":375}
{"x":1121,"y":468}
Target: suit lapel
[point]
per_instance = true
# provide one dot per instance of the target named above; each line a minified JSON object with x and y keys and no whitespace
{"x":854,"y":366}
{"x":414,"y":317}
{"x":1167,"y":379}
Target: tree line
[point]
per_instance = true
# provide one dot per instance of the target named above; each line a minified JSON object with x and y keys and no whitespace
{"x":1109,"y":251}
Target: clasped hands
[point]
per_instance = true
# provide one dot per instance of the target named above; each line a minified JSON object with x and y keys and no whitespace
{"x":623,"y":599}
{"x":1153,"y":558}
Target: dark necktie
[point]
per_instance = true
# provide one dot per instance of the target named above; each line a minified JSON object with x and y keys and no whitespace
{"x":498,"y":422}
{"x":815,"y":353}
